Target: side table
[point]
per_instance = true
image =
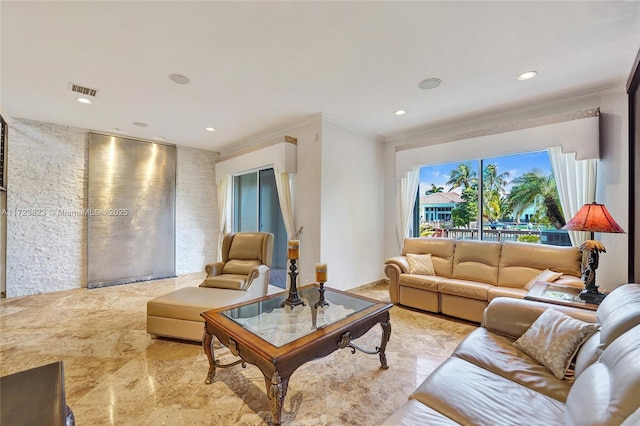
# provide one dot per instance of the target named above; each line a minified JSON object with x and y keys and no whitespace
{"x":542,"y":291}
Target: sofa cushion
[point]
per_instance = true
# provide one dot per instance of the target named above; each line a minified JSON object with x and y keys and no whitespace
{"x":247,"y":245}
{"x":414,"y":413}
{"x":520,"y":262}
{"x":516,"y":293}
{"x":606,"y":393}
{"x":471,"y":395}
{"x":226,"y":281}
{"x":239,"y":266}
{"x":498,"y":354}
{"x":464,"y":288}
{"x":187,"y":303}
{"x":476,"y":261}
{"x":420,"y":264}
{"x":547,"y":276}
{"x":441,"y":250}
{"x":554,"y":338}
{"x":618,"y":313}
{"x":423,"y":282}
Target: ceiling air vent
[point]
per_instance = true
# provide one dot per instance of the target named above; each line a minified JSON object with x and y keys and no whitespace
{"x":83,"y":90}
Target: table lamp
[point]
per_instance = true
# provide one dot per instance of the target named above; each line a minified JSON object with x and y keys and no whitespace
{"x":592,"y":218}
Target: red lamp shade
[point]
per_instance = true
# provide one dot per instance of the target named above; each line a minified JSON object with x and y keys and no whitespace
{"x":593,"y":217}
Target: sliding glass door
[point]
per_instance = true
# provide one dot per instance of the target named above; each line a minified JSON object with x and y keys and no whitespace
{"x":256,"y":208}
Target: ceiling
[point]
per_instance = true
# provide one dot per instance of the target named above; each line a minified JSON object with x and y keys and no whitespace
{"x":260,"y":66}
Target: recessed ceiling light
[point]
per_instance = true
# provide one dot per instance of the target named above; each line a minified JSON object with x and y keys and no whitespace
{"x":178,"y":78}
{"x":527,"y":75}
{"x":140,"y":124}
{"x":159,"y":138}
{"x":115,"y":129}
{"x":84,"y":101}
{"x":210,"y":129}
{"x":400,"y":112}
{"x":429,"y":83}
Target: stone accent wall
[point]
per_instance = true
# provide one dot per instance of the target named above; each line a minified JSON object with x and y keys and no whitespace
{"x":47,"y":195}
{"x":197,"y":221}
{"x":46,"y":248}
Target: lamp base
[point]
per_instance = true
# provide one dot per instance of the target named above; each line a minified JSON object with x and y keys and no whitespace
{"x":594,"y":297}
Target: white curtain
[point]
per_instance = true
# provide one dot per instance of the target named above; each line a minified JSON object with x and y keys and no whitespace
{"x":285,"y":184}
{"x":224,"y":209}
{"x":407,"y":189}
{"x":576,"y":181}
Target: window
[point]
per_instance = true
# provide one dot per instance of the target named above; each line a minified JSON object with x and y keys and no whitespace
{"x":256,"y":208}
{"x":518,"y":202}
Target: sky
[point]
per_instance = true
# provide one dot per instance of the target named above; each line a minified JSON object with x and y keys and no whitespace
{"x":516,"y":165}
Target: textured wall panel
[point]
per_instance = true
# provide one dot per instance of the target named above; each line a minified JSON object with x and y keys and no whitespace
{"x":131,"y":210}
{"x":46,"y":228}
{"x":197,"y":221}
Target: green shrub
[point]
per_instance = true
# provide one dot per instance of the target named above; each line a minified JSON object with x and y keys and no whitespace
{"x":529,"y":238}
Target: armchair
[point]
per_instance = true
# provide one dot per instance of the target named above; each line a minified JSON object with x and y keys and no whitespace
{"x":242,"y":275}
{"x":245,"y":265}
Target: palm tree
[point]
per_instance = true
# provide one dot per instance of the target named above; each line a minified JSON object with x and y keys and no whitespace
{"x":534,"y":185}
{"x":463,"y":176}
{"x":492,"y":181}
{"x":493,"y":187}
{"x":434,"y":189}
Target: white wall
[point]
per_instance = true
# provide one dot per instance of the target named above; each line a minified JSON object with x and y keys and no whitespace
{"x":352,"y":213}
{"x":612,"y":185}
{"x":306,"y":165}
{"x":339,"y":201}
{"x":47,"y":172}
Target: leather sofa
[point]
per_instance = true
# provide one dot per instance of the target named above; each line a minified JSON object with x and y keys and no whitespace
{"x":489,"y":381}
{"x":470,"y":273}
{"x":243,"y":274}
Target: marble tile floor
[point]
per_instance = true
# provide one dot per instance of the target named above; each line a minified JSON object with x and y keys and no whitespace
{"x":116,"y":374}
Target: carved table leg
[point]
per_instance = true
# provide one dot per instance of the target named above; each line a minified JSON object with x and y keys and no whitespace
{"x":207,"y":342}
{"x":386,"y":335}
{"x":276,"y":390}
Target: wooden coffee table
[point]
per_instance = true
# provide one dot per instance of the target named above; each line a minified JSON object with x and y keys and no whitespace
{"x":279,"y":339}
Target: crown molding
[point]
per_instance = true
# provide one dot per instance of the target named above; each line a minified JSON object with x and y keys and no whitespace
{"x":504,"y":112}
{"x":267,"y":135}
{"x":360,"y":130}
{"x":526,"y":124}
{"x":256,"y":147}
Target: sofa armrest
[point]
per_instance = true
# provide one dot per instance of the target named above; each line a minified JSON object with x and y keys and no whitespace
{"x":393,"y":268}
{"x":255,"y":273}
{"x":512,"y":317}
{"x":401,"y":262}
{"x":214,"y":269}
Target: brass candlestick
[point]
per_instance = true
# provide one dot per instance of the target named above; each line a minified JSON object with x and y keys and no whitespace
{"x":294,"y":297}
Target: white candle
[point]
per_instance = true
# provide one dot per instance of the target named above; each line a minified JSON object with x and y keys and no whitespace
{"x":293,"y":251}
{"x":321,"y":272}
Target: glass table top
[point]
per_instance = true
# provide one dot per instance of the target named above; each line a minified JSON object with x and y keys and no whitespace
{"x":280,"y":325}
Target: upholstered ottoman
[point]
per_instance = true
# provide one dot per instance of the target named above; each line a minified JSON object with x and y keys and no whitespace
{"x":177,"y":314}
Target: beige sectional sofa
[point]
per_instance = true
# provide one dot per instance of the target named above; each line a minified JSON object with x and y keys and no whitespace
{"x":470,"y":273}
{"x":489,"y":381}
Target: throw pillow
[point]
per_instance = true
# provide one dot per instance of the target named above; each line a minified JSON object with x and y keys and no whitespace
{"x":547,"y":275}
{"x":420,"y":264}
{"x":554,"y":339}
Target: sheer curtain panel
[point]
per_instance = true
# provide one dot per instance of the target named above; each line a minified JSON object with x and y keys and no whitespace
{"x":285,"y":184}
{"x":224,"y":210}
{"x":407,"y":188}
{"x":576,"y":181}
